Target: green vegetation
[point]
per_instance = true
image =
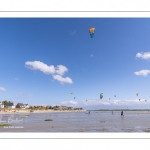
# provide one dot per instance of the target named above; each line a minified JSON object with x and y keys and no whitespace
{"x":48,"y":120}
{"x":5,"y":102}
{"x":2,"y":125}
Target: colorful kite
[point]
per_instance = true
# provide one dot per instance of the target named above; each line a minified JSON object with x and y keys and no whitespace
{"x":101,"y":95}
{"x":92,"y":31}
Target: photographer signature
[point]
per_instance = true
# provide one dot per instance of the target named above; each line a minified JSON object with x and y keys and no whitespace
{"x":10,"y":120}
{"x":14,"y":120}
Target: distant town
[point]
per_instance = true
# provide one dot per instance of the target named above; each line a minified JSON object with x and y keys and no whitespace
{"x":10,"y":105}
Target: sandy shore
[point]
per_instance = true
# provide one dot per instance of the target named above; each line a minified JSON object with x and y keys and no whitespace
{"x":62,"y":111}
{"x":40,"y":111}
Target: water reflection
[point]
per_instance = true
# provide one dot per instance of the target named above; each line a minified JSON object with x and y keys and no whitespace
{"x":77,"y":122}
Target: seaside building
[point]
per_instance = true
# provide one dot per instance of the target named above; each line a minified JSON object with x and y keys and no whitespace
{"x":21,"y":105}
{"x":70,"y":108}
{"x":10,"y":105}
{"x":1,"y":105}
{"x":78,"y":108}
{"x":26,"y":105}
{"x":62,"y":108}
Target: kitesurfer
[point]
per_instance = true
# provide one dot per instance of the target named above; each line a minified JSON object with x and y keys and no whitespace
{"x":122,"y":114}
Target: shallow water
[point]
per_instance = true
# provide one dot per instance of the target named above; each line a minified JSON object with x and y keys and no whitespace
{"x":77,"y":122}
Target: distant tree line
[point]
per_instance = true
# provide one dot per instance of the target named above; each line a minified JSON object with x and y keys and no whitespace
{"x":5,"y":102}
{"x":53,"y":107}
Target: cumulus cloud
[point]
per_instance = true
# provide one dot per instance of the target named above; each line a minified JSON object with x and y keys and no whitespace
{"x":37,"y":65}
{"x":71,"y":102}
{"x":56,"y":72}
{"x":60,"y":69}
{"x":142,"y":73}
{"x":98,"y":102}
{"x":108,"y":103}
{"x":2,"y":89}
{"x":145,"y":55}
{"x":62,"y":80}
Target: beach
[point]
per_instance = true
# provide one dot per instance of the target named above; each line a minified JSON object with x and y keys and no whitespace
{"x":65,"y":121}
{"x":38,"y":111}
{"x":61,"y":111}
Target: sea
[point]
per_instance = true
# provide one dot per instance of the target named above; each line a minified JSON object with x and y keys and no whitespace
{"x":95,"y":121}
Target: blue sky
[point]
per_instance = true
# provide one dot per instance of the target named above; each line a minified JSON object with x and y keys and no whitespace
{"x":43,"y":60}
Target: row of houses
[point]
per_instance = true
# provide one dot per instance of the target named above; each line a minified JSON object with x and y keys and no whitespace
{"x":65,"y":108}
{"x":55,"y":107}
{"x":25,"y":106}
{"x":12,"y":105}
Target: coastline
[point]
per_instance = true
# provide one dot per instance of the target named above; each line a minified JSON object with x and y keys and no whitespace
{"x":41,"y":111}
{"x":67,"y":111}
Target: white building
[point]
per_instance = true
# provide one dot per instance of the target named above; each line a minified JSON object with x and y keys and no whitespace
{"x":63,"y":108}
{"x":10,"y":105}
{"x":21,"y":105}
{"x":1,"y":105}
{"x":26,"y":106}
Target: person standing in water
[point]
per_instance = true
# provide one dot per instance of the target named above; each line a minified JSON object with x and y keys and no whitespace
{"x":122,"y":114}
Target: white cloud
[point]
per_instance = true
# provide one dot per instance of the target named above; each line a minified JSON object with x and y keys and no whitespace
{"x":97,"y":102}
{"x":2,"y":89}
{"x":30,"y":94}
{"x":142,"y":73}
{"x":62,"y":80}
{"x":91,"y":55}
{"x":60,"y":69}
{"x":145,"y":55}
{"x":110,"y":104}
{"x":37,"y":65}
{"x":69,"y":103}
{"x":57,"y":72}
{"x":16,"y":78}
{"x":73,"y":102}
{"x":113,"y":102}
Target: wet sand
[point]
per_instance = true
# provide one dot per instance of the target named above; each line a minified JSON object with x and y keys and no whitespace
{"x":40,"y":111}
{"x":96,"y":121}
